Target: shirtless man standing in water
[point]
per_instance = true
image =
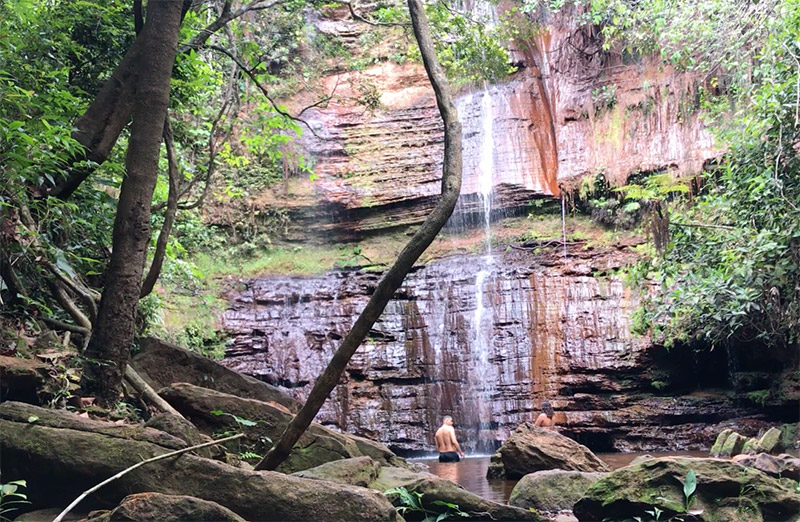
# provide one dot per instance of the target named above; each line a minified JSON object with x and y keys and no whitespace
{"x":545,"y":419}
{"x":446,"y":443}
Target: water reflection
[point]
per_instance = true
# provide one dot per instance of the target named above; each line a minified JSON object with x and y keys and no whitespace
{"x":470,"y":473}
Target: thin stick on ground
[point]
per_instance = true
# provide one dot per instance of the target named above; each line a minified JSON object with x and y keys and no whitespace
{"x":139,"y":464}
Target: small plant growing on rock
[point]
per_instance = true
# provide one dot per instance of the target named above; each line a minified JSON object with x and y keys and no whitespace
{"x":10,"y":496}
{"x":411,"y":502}
{"x":689,"y":487}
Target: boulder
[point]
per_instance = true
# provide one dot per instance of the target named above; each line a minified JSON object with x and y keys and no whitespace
{"x":716,"y":448}
{"x":378,"y":451}
{"x":60,"y":463}
{"x":161,"y":364}
{"x":63,"y":419}
{"x":156,"y":507}
{"x":730,"y":443}
{"x":770,"y":442}
{"x":733,"y":445}
{"x":21,"y":379}
{"x":437,"y":492}
{"x":531,"y":449}
{"x":726,"y":491}
{"x":776,"y":466}
{"x":318,"y":444}
{"x":186,"y":431}
{"x":358,"y":471}
{"x":552,"y":490}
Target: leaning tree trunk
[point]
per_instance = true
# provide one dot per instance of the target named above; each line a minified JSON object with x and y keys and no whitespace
{"x":391,"y":281}
{"x":109,"y":347}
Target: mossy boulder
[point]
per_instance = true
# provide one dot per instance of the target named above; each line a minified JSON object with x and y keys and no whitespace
{"x":771,"y":442}
{"x":716,"y":448}
{"x":358,"y":471}
{"x":552,"y":490}
{"x":264,"y":423}
{"x":61,"y":456}
{"x":726,"y":492}
{"x":156,"y":507}
{"x":531,"y":448}
{"x":730,"y":443}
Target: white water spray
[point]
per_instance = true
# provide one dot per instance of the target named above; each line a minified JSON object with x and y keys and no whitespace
{"x":483,"y":377}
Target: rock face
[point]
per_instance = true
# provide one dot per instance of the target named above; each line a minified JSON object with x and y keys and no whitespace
{"x":61,"y":455}
{"x":571,"y":110}
{"x":548,"y":330}
{"x":553,"y":490}
{"x":726,"y":491}
{"x":531,"y":449}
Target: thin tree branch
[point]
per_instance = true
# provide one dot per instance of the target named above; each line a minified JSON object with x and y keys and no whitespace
{"x":703,"y":225}
{"x":243,"y":67}
{"x":59,"y":325}
{"x":125,"y":471}
{"x":68,"y":304}
{"x":169,"y":215}
{"x":226,"y":15}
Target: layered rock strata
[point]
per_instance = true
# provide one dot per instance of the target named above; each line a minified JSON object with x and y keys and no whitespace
{"x":552,"y":330}
{"x":570,"y":110}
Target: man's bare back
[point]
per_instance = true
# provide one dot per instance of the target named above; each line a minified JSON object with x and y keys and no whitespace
{"x":446,"y":442}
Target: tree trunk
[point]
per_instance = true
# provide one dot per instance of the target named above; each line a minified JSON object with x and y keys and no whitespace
{"x":109,"y":347}
{"x":391,"y":281}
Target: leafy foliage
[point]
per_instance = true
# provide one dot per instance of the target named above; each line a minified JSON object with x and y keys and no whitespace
{"x":731,"y":268}
{"x":411,"y":502}
{"x":10,"y":495}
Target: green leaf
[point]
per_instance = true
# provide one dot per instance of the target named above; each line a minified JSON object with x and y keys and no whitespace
{"x":32,"y":419}
{"x":689,"y":485}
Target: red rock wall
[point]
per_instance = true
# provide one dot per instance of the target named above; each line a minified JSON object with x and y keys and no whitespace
{"x":552,"y":126}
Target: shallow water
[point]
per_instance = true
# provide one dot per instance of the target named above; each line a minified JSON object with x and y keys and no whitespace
{"x":470,"y":473}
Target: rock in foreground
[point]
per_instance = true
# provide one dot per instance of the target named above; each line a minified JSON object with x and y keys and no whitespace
{"x":436,"y":494}
{"x":60,"y":463}
{"x":531,"y":449}
{"x":213,"y":411}
{"x":155,"y":507}
{"x":726,"y":491}
{"x":553,"y":490}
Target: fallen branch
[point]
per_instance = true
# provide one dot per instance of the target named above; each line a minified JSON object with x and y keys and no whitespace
{"x":148,"y":393}
{"x":89,"y":491}
{"x":702,"y":225}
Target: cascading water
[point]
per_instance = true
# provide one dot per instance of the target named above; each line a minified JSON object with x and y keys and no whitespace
{"x":483,"y":376}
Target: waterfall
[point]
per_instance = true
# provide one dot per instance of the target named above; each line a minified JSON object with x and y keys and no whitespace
{"x":483,"y":378}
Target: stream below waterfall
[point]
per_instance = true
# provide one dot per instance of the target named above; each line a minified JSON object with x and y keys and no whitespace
{"x":470,"y":473}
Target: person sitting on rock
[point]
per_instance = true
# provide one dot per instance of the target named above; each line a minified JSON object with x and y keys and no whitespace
{"x":446,"y":442}
{"x":545,"y":419}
